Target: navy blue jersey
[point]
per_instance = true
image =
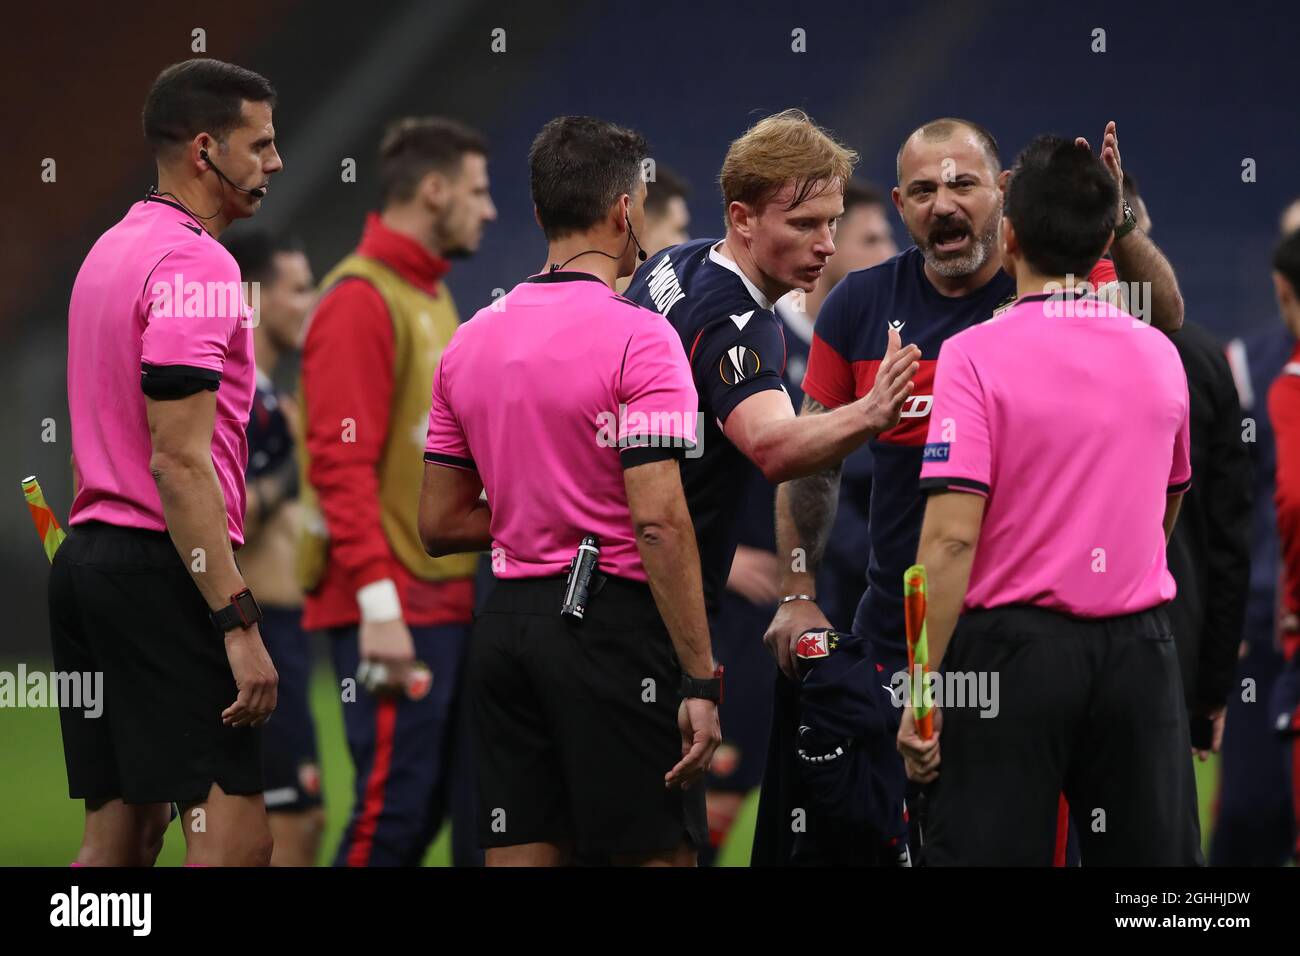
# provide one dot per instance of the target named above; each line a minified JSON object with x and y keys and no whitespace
{"x":270,"y":442}
{"x":849,"y":342}
{"x":736,"y":349}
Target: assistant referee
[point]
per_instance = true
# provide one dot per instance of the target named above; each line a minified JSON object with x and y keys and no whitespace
{"x":571,"y":407}
{"x":160,"y":386}
{"x":1056,"y":460}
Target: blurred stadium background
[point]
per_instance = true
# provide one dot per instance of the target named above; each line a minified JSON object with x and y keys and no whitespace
{"x":1196,"y":90}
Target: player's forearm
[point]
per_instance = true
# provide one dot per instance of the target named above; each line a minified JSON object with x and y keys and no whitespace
{"x":1172,"y":503}
{"x":266,"y":493}
{"x":672,"y":563}
{"x":1288,"y":526}
{"x":805,"y":514}
{"x":800,"y":447}
{"x":947,"y":561}
{"x":1139,"y":260}
{"x":263,"y":498}
{"x":347,"y":492}
{"x":457,"y":534}
{"x":1225,"y":620}
{"x":254,"y":510}
{"x":195,"y":511}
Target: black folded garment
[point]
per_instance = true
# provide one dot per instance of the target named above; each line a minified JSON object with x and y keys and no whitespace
{"x":834,"y":786}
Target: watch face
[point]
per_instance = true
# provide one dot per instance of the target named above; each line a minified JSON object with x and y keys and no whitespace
{"x":249,"y":610}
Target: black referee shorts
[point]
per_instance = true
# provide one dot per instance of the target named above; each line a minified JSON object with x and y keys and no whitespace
{"x":123,"y":604}
{"x":575,"y":724}
{"x":1089,"y":708}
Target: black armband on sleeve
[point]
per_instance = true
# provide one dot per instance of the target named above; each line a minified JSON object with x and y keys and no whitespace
{"x":165,"y":382}
{"x":645,"y":454}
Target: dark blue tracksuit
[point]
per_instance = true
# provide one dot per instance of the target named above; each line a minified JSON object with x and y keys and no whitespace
{"x":410,"y":763}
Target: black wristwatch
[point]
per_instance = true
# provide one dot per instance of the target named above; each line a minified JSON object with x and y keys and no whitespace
{"x":704,"y":689}
{"x":1128,"y":224}
{"x":242,"y":611}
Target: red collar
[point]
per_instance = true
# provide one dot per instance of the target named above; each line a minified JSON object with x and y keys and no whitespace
{"x":414,"y":263}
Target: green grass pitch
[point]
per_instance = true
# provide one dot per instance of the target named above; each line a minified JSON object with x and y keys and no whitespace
{"x":40,"y":826}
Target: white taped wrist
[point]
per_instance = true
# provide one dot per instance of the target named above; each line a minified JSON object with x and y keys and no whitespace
{"x":378,"y":602}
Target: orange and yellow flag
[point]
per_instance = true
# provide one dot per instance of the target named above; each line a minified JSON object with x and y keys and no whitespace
{"x":47,"y":526}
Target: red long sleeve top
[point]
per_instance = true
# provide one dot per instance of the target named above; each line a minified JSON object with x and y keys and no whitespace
{"x":1284,"y":411}
{"x":347,"y":372}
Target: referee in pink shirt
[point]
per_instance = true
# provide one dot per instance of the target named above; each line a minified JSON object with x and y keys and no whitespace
{"x":1055,"y":462}
{"x":570,"y":407}
{"x":145,"y":588}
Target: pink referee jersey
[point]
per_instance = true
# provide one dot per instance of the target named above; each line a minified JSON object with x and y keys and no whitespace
{"x":549,"y":394}
{"x":1072,"y":419}
{"x":157,"y":308}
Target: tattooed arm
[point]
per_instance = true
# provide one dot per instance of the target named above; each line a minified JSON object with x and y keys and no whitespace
{"x":805,"y":512}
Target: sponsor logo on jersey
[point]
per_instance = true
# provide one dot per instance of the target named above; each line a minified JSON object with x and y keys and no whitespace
{"x":917,"y":406}
{"x":914,"y":418}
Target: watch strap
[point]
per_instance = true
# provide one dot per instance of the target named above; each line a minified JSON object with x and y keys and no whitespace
{"x":242,"y":611}
{"x":1129,"y":222}
{"x":709,"y":688}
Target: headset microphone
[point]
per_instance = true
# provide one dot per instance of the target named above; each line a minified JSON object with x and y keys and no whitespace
{"x":256,"y":192}
{"x":631,"y":238}
{"x":640,"y":253}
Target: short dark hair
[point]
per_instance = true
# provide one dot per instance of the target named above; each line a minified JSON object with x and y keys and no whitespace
{"x":666,"y":185}
{"x":1061,"y":201}
{"x":200,"y":96}
{"x":415,"y":146}
{"x":578,"y":167}
{"x":860,"y":193}
{"x":943,"y":128}
{"x":254,"y":251}
{"x":1286,"y":259}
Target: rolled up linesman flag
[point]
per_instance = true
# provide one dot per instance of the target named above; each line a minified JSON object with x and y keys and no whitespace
{"x":412,"y":678}
{"x":918,"y":647}
{"x":47,"y":526}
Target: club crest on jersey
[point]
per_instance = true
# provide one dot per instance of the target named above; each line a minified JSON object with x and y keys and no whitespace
{"x":814,"y":644}
{"x":738,"y":364}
